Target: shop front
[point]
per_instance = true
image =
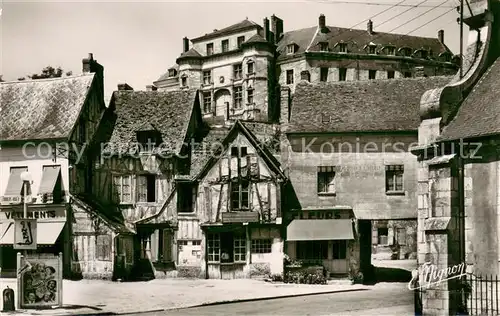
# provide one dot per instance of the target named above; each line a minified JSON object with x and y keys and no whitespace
{"x":323,"y":238}
{"x":52,"y":232}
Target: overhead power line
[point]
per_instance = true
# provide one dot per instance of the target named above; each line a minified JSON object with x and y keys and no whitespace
{"x":374,"y":3}
{"x":421,"y":26}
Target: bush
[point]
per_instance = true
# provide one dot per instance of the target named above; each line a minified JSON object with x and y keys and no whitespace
{"x":304,"y":277}
{"x":277,"y":278}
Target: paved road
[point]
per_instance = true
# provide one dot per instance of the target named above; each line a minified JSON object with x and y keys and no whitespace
{"x":380,"y":300}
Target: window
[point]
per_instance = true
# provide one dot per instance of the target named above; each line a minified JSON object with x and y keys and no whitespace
{"x":250,"y":69}
{"x":196,"y":242}
{"x":390,"y":74}
{"x":146,"y":188}
{"x":237,"y":71}
{"x":372,"y":74}
{"x":185,"y":198}
{"x":103,"y":245}
{"x":343,"y":47}
{"x":240,"y":40}
{"x":407,"y":74}
{"x":239,"y":195}
{"x":207,"y":102}
{"x":323,"y":76}
{"x":207,"y":77}
{"x":213,"y":247}
{"x":210,"y":49}
{"x":261,"y":245}
{"x":339,"y":249}
{"x":371,"y":49}
{"x":225,"y":45}
{"x":323,"y":46}
{"x":238,"y":96}
{"x":383,"y":233}
{"x":172,"y":72}
{"x":240,"y":249}
{"x":312,"y":250}
{"x":290,"y":49}
{"x":394,"y":178}
{"x":250,"y":96}
{"x":122,"y":189}
{"x":289,"y":76}
{"x":184,"y":81}
{"x":406,"y":51}
{"x":148,"y":139}
{"x":391,"y":51}
{"x":342,"y":74}
{"x":326,"y":180}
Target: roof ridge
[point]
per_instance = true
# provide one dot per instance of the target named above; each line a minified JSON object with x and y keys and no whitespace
{"x":50,"y":79}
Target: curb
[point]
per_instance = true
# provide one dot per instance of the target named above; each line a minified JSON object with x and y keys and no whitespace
{"x":264,"y":299}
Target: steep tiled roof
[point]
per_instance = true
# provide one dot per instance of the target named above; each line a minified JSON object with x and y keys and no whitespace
{"x":190,"y":53}
{"x":355,"y":106}
{"x":309,"y":39}
{"x":203,"y":150}
{"x":479,"y":114}
{"x":256,"y":39}
{"x":43,"y":108}
{"x":245,"y":24}
{"x":166,"y":75}
{"x":169,"y":112}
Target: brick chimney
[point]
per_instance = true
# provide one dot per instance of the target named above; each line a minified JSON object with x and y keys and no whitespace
{"x":276,"y":27}
{"x":441,"y":36}
{"x":285,"y":102}
{"x":266,"y":29}
{"x":322,"y":23}
{"x":151,"y":87}
{"x":305,"y":75}
{"x":369,"y":27}
{"x":185,"y":44}
{"x":90,"y":65}
{"x":124,"y":86}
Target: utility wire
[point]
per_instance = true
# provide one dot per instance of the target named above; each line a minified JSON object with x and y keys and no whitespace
{"x":421,"y":26}
{"x":368,"y":3}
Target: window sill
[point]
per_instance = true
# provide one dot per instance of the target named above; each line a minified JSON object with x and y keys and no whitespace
{"x":186,"y":214}
{"x":395,"y":193}
{"x":227,"y":263}
{"x":327,"y":194}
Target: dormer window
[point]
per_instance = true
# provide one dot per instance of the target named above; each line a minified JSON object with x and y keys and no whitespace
{"x":343,"y":47}
{"x":240,"y":40}
{"x":372,"y":49}
{"x":323,"y":46}
{"x":148,"y":139}
{"x":291,"y":48}
{"x":446,"y":57}
{"x":210,"y":49}
{"x":406,"y":51}
{"x":172,"y":72}
{"x":391,"y":50}
{"x":422,"y":53}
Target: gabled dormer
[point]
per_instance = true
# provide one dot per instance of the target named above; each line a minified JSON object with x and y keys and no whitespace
{"x":148,"y":137}
{"x":405,"y":51}
{"x":291,"y":48}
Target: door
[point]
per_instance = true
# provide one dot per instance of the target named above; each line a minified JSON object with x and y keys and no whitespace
{"x":222,"y":100}
{"x":167,"y":245}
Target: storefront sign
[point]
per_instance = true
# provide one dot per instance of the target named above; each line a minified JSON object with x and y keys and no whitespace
{"x":39,"y":281}
{"x":33,"y":212}
{"x":240,"y":217}
{"x":25,"y":234}
{"x":321,"y":214}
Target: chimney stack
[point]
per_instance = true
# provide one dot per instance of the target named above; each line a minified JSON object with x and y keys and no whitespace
{"x":284,"y":104}
{"x":86,"y":63}
{"x":305,"y":75}
{"x":369,"y":27}
{"x":124,"y":86}
{"x":185,"y":46}
{"x":322,"y":22}
{"x":441,"y":36}
{"x":151,"y":87}
{"x":276,"y":28}
{"x":266,"y":29}
{"x":90,"y":65}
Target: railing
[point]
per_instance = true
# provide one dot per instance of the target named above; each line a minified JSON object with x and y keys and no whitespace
{"x":481,"y":295}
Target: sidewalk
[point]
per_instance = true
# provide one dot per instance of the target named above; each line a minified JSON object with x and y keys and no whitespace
{"x":401,"y":310}
{"x":101,"y":297}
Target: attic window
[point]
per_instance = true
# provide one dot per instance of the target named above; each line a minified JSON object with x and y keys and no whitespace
{"x":323,"y":46}
{"x":240,"y":40}
{"x":391,"y":50}
{"x":371,"y":49}
{"x":290,"y":49}
{"x":148,"y":139}
{"x":172,"y":72}
{"x":406,"y":51}
{"x":343,"y":47}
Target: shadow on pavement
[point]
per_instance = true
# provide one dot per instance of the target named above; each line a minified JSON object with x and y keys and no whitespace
{"x":381,"y":274}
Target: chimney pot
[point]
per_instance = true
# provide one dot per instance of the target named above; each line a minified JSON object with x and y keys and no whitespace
{"x":369,"y":27}
{"x":185,"y":42}
{"x":266,"y":29}
{"x":441,"y":36}
{"x":276,"y":28}
{"x":124,"y":86}
{"x":322,"y":22}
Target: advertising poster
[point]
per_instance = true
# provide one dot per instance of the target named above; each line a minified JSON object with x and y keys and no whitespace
{"x":40,"y":280}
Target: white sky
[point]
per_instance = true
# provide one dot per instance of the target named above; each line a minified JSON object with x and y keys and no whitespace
{"x":137,"y":41}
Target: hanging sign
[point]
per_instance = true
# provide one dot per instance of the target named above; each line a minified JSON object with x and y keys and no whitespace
{"x":25,"y":234}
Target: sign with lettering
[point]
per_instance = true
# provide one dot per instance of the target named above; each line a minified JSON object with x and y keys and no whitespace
{"x":34,"y":211}
{"x":25,"y":234}
{"x":11,"y":199}
{"x":240,"y":217}
{"x":33,"y":214}
{"x":321,"y":214}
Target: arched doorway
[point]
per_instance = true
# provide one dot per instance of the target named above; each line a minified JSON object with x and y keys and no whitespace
{"x":222,"y":99}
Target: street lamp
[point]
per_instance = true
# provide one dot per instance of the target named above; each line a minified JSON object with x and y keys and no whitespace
{"x":26,"y":178}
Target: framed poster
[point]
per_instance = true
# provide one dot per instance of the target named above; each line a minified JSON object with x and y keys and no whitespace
{"x":25,"y":234}
{"x":40,"y":281}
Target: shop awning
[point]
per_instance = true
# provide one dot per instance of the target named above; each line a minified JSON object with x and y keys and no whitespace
{"x":49,"y":179}
{"x":320,"y":229}
{"x":15,"y":184}
{"x":46,"y":233}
